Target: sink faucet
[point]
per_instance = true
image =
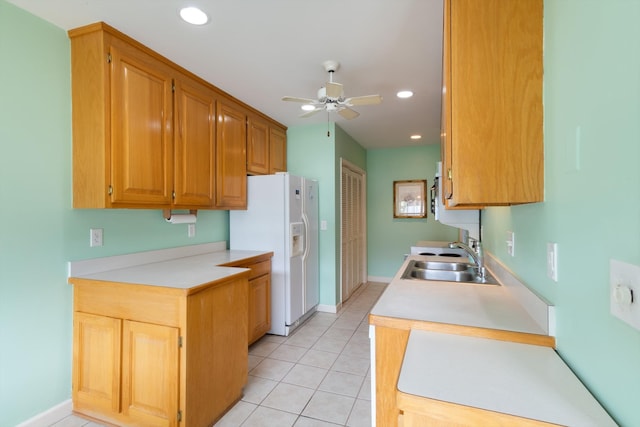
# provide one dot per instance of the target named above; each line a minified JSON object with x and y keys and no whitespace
{"x":477,"y":255}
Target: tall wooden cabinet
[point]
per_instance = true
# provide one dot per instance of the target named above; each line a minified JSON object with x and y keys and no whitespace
{"x":492,"y":116}
{"x":158,"y":356}
{"x":231,"y":154}
{"x":266,"y":147}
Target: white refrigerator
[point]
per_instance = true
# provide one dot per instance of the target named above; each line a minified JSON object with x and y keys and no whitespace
{"x":282,"y":216}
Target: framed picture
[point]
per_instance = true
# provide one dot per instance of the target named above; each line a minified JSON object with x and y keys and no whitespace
{"x":409,"y":199}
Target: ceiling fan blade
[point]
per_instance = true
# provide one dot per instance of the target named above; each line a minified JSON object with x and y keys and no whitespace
{"x":295,"y":99}
{"x":334,"y":90}
{"x":348,"y":113}
{"x":310,"y":113}
{"x":364,"y":100}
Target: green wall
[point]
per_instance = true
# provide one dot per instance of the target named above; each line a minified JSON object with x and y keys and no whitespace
{"x":389,"y":238}
{"x":39,"y":232}
{"x":314,"y":154}
{"x":592,"y":201}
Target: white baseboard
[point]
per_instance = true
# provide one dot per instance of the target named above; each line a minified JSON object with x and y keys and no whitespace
{"x":379,"y":279}
{"x":326,"y":308}
{"x":50,"y":416}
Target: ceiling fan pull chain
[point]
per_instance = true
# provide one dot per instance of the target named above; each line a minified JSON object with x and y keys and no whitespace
{"x":328,"y":128}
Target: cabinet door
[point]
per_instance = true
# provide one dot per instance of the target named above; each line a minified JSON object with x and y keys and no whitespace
{"x":495,"y":97}
{"x":231,"y":163}
{"x":259,"y":307}
{"x":257,"y":147}
{"x":277,"y":151}
{"x":141,"y":129}
{"x":150,"y":374}
{"x":96,"y":363}
{"x":194,"y":141}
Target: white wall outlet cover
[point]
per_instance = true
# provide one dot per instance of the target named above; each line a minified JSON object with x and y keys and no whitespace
{"x":95,"y":237}
{"x":624,"y":292}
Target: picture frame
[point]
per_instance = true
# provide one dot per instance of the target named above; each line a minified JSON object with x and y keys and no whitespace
{"x":409,"y":198}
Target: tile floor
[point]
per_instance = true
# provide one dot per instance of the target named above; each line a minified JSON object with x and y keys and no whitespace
{"x":318,"y":376}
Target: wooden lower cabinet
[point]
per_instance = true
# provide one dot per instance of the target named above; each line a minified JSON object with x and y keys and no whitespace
{"x":259,"y":311}
{"x":158,"y":356}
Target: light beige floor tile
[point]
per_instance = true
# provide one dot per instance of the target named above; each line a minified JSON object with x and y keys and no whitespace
{"x":254,"y":360}
{"x":339,"y":333}
{"x":341,"y":383}
{"x":267,"y":417}
{"x":360,"y":414}
{"x":289,"y":353}
{"x":278,"y":339}
{"x":305,"y":376}
{"x":310,"y":422}
{"x":236,"y":415}
{"x":263,"y":348}
{"x":71,"y":421}
{"x":349,"y":324}
{"x":302,"y":340}
{"x":272,"y":369}
{"x":329,"y":407}
{"x":356,"y":349}
{"x":365,"y":390}
{"x":312,"y":330}
{"x":288,"y":397}
{"x":333,"y":345}
{"x":319,"y":358}
{"x":257,"y":389}
{"x":351,"y":365}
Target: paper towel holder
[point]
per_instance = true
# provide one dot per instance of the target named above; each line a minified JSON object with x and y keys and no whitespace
{"x":166,"y":213}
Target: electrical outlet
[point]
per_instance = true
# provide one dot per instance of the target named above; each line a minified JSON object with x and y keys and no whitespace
{"x":552,"y":261}
{"x":624,"y":286}
{"x":511,"y":243}
{"x":95,"y":237}
{"x":191,"y":230}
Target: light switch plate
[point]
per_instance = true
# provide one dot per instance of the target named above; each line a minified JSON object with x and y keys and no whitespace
{"x":191,"y":230}
{"x":624,"y":292}
{"x":511,"y":243}
{"x":552,"y":261}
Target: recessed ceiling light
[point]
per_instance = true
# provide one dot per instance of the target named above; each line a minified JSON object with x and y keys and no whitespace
{"x":404,"y":94}
{"x":194,"y":16}
{"x":308,"y":107}
{"x":415,"y":137}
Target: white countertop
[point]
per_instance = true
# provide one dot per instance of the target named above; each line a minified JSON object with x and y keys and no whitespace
{"x":181,"y":273}
{"x":485,"y":306}
{"x":518,"y":379}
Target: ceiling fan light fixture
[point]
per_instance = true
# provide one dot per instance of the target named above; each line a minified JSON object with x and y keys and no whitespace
{"x":415,"y":137}
{"x":404,"y":94}
{"x":308,"y":107}
{"x":193,"y":15}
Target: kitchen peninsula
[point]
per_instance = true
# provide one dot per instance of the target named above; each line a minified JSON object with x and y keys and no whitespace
{"x":160,"y":338}
{"x":465,"y":353}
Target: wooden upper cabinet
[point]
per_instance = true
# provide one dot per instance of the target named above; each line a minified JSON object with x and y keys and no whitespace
{"x":492,"y":136}
{"x":194,"y":145}
{"x":149,"y":134}
{"x":141,"y":128}
{"x":277,"y":150}
{"x":257,"y":146}
{"x":231,"y":165}
{"x":266,"y":147}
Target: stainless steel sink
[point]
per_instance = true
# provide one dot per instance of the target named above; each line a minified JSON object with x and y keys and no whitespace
{"x":461,"y":272}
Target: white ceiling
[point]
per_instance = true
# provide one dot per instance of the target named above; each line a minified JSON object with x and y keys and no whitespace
{"x":262,"y":50}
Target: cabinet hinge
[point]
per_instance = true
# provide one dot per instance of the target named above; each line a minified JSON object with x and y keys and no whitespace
{"x":180,"y":342}
{"x":110,"y":190}
{"x":173,"y":86}
{"x":108,"y":58}
{"x":173,"y":195}
{"x":179,"y":416}
{"x":449,"y":174}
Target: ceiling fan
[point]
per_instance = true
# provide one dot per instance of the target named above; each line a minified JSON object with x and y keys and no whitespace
{"x":331,"y":97}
